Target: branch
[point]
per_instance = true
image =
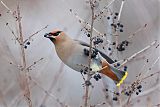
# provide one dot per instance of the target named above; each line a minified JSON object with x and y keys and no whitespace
{"x":23,"y":76}
{"x":89,"y":59}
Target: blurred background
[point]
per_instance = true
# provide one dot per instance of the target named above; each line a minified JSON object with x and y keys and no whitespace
{"x":54,"y":84}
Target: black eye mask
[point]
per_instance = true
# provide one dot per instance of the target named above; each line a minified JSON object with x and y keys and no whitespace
{"x":56,"y":33}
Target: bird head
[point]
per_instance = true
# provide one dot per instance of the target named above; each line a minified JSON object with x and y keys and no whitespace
{"x":55,"y":36}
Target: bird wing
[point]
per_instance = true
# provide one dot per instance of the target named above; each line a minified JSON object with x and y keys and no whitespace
{"x":108,"y":59}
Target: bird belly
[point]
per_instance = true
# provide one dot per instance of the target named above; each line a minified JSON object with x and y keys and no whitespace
{"x":80,"y":62}
{"x":74,"y":57}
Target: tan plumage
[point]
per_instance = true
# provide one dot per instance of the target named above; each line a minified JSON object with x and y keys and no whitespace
{"x":71,"y":52}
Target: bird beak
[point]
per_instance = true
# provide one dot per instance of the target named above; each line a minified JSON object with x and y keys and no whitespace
{"x":47,"y":35}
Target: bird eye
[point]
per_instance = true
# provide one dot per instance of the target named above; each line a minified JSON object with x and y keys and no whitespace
{"x":56,"y":33}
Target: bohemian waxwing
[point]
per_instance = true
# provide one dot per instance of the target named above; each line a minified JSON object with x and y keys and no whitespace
{"x":75,"y":54}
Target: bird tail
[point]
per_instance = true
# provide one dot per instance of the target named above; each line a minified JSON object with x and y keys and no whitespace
{"x":118,"y":76}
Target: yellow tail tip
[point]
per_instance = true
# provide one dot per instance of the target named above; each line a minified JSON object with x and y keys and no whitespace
{"x":123,"y":78}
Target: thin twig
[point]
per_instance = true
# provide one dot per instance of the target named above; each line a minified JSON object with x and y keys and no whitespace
{"x":150,"y":75}
{"x":120,"y":11}
{"x":48,"y":93}
{"x":100,"y":104}
{"x":137,"y":31}
{"x":35,"y":34}
{"x":106,"y":93}
{"x":144,"y":93}
{"x":9,"y":10}
{"x":105,"y":8}
{"x":53,"y":82}
{"x":119,"y":16}
{"x":85,"y":23}
{"x":34,"y":63}
{"x":2,"y":100}
{"x":155,"y":62}
{"x":135,"y":54}
{"x":15,"y":36}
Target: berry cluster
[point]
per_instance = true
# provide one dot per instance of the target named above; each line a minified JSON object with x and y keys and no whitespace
{"x":116,"y":24}
{"x":93,"y":53}
{"x":97,"y":41}
{"x":27,"y":43}
{"x":115,"y":93}
{"x":125,"y":68}
{"x":122,"y":45}
{"x":134,"y":88}
{"x":117,"y":64}
{"x":139,"y":89}
{"x":97,"y":77}
{"x":85,"y":70}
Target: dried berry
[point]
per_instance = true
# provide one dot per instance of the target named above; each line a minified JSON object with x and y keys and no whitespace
{"x":86,"y":69}
{"x":112,"y":24}
{"x":139,"y":87}
{"x":86,"y":52}
{"x":118,"y":64}
{"x":88,"y":35}
{"x":109,"y":49}
{"x":81,"y":71}
{"x":95,"y":77}
{"x":28,"y":43}
{"x":126,"y":93}
{"x":25,"y":47}
{"x":108,"y":18}
{"x":121,"y":25}
{"x":115,"y":98}
{"x":118,"y":24}
{"x":114,"y":43}
{"x":137,"y":93}
{"x":98,"y":76}
{"x":117,"y":93}
{"x":125,"y":67}
{"x":116,"y":14}
{"x":121,"y":30}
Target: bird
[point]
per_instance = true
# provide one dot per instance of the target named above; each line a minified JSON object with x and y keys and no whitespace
{"x":75,"y":54}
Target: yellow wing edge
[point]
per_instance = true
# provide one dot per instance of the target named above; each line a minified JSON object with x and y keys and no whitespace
{"x":123,"y":78}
